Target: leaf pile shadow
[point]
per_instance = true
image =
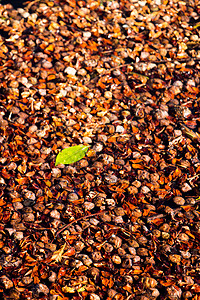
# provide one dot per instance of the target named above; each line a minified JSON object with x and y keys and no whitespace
{"x":123,"y":78}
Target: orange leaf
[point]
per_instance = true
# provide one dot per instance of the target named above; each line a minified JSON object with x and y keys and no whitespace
{"x":48,"y":183}
{"x":57,"y":123}
{"x":167,"y":187}
{"x":2,"y":202}
{"x":177,"y":173}
{"x":157,"y":221}
{"x":190,"y":234}
{"x":37,"y":145}
{"x":91,"y":153}
{"x":132,"y":207}
{"x":128,"y":288}
{"x":51,"y":47}
{"x":187,"y":207}
{"x":156,"y":156}
{"x":136,"y":161}
{"x":71,"y":251}
{"x":193,"y":89}
{"x":36,"y":280}
{"x":51,"y":77}
{"x":157,"y":140}
{"x":161,"y":180}
{"x":102,"y":85}
{"x":166,"y":282}
{"x":41,"y":85}
{"x":134,"y":129}
{"x":161,"y":192}
{"x":107,"y":281}
{"x":22,"y":180}
{"x":196,"y":288}
{"x":43,"y":46}
{"x":146,"y":212}
{"x":92,"y":46}
{"x":82,"y":269}
{"x":136,"y":271}
{"x":5,"y":174}
{"x":112,"y":139}
{"x":16,"y":200}
{"x":116,"y":81}
{"x":138,"y":166}
{"x":30,"y":174}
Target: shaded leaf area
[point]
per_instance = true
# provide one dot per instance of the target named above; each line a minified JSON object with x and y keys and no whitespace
{"x":123,"y":78}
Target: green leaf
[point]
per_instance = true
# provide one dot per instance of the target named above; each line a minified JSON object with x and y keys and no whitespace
{"x":197,"y":25}
{"x":71,"y":155}
{"x":81,"y":289}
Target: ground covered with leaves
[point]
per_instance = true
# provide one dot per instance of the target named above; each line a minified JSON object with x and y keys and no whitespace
{"x":123,"y":78}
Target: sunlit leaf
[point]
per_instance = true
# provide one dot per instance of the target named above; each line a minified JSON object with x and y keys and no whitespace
{"x":137,"y":166}
{"x":68,"y":289}
{"x":197,"y":25}
{"x":81,"y":289}
{"x":57,"y":255}
{"x":71,"y":155}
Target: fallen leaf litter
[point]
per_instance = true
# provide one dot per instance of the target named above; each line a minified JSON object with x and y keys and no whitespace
{"x":123,"y":78}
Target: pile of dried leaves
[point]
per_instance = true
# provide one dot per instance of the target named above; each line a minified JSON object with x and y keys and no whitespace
{"x":123,"y":77}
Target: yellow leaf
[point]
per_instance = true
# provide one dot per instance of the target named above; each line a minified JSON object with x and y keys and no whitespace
{"x":57,"y":255}
{"x":197,"y":25}
{"x":81,"y":289}
{"x":68,"y":289}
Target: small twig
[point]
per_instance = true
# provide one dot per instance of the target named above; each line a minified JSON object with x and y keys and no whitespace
{"x":172,"y":213}
{"x":77,"y":220}
{"x":113,"y":69}
{"x":163,"y":61}
{"x":190,"y":133}
{"x":32,"y":3}
{"x":155,"y":217}
{"x":33,"y":226}
{"x":147,"y":61}
{"x":176,"y":141}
